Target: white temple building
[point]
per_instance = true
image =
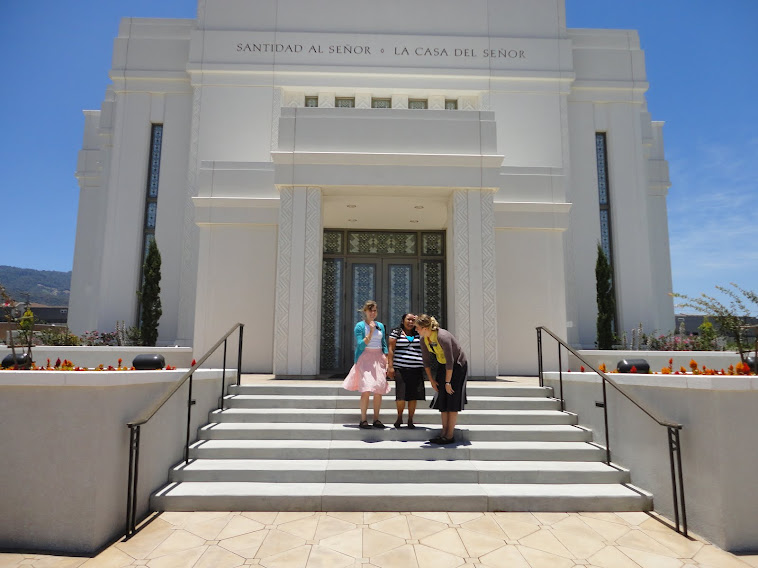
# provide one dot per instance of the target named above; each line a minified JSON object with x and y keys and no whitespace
{"x":294,"y":158}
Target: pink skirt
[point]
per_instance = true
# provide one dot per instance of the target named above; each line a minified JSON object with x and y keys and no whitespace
{"x":369,"y":374}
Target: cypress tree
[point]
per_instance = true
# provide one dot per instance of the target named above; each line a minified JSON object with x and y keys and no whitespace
{"x":150,"y":296}
{"x":606,"y":300}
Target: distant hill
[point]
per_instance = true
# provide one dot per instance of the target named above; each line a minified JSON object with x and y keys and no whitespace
{"x":47,"y":287}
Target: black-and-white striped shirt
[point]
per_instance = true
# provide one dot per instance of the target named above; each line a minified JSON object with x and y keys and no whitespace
{"x":407,"y":350}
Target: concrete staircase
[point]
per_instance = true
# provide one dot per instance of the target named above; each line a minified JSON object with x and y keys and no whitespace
{"x":297,"y":447}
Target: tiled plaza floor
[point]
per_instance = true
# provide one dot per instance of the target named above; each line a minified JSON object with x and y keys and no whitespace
{"x":401,"y":540}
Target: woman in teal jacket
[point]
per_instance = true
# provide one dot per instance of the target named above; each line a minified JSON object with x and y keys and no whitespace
{"x":369,"y":373}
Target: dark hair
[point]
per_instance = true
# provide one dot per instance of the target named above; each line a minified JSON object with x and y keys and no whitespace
{"x":400,"y":328}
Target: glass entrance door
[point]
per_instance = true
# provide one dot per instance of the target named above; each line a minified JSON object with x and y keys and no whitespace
{"x":402,"y":271}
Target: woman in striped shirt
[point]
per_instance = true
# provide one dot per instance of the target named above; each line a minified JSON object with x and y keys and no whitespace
{"x":406,"y":366}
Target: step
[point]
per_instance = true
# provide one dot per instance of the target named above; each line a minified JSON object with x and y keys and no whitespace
{"x":407,"y":471}
{"x":378,"y":449}
{"x":328,"y":431}
{"x":425,"y":416}
{"x":253,"y":496}
{"x":334,"y":389}
{"x":342,"y":402}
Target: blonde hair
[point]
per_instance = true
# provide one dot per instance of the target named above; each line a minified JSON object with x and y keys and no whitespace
{"x":369,"y":305}
{"x":427,"y":321}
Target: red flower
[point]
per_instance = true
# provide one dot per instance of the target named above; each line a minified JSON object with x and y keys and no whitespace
{"x":57,"y":362}
{"x":633,"y":369}
{"x":581,"y":368}
{"x":193,"y":363}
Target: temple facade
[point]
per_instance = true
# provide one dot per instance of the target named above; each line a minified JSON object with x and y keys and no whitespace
{"x":294,"y":158}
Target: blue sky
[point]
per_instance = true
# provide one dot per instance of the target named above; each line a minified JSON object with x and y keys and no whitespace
{"x":702,"y":65}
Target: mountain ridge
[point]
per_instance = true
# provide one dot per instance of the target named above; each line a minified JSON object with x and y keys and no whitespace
{"x":47,"y":287}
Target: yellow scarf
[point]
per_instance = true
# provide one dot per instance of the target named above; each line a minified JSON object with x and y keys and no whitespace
{"x":435,"y":347}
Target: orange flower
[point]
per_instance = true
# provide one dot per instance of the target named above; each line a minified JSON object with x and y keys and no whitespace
{"x":666,"y":371}
{"x":603,"y":368}
{"x":693,"y":364}
{"x":682,"y":369}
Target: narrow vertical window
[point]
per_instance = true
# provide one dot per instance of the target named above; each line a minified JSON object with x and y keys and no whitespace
{"x":603,"y":195}
{"x":151,"y":193}
{"x":604,"y":203}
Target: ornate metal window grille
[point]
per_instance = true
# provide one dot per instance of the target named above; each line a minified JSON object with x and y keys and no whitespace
{"x":451,"y":104}
{"x":418,"y":104}
{"x":344,"y":102}
{"x":311,"y":102}
{"x":151,"y":195}
{"x":381,"y":103}
{"x":601,"y":151}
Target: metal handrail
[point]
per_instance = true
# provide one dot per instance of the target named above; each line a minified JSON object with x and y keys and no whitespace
{"x":135,"y":425}
{"x":672,"y":428}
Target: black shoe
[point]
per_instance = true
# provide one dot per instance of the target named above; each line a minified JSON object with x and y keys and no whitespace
{"x":364,"y":425}
{"x":378,"y":424}
{"x":399,"y":422}
{"x":411,"y":425}
{"x":436,"y":440}
{"x":446,"y":441}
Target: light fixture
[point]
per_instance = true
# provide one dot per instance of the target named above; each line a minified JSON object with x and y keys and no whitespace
{"x":414,"y":220}
{"x":351,"y":206}
{"x":352,"y":220}
{"x":419,"y":207}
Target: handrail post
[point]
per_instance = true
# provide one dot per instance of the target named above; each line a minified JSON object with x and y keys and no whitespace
{"x":677,"y":492}
{"x":223,"y":377}
{"x":673,"y":476}
{"x":605,"y":421}
{"x":560,"y":378}
{"x":190,"y":402}
{"x":681,"y":480}
{"x":539,"y":355}
{"x":131,"y":490}
{"x":239,"y":356}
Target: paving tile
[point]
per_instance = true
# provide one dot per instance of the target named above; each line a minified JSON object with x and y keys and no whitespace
{"x":294,"y":558}
{"x":448,"y":540}
{"x":550,"y":518}
{"x":504,"y":556}
{"x":485,"y":524}
{"x":180,"y":559}
{"x":265,"y":518}
{"x":371,"y":518}
{"x":177,"y":541}
{"x":521,"y":517}
{"x":376,"y":543}
{"x":304,"y":528}
{"x":111,"y":557}
{"x":439,"y":517}
{"x":400,"y":557}
{"x":147,"y":539}
{"x":612,"y":557}
{"x":608,"y":517}
{"x":680,"y":545}
{"x":633,"y":518}
{"x":245,"y":545}
{"x":322,"y":557}
{"x":460,"y":518}
{"x":541,"y":559}
{"x":608,"y":530}
{"x":59,"y":562}
{"x":478,"y":544}
{"x":277,"y":542}
{"x":577,"y":537}
{"x":331,"y":526}
{"x":397,"y":526}
{"x":218,"y":557}
{"x":750,"y":560}
{"x":545,"y":541}
{"x":239,"y":525}
{"x":349,"y":543}
{"x":651,"y":559}
{"x":288,"y":517}
{"x":712,"y":557}
{"x":355,"y":518}
{"x":208,"y":525}
{"x":428,"y":557}
{"x":639,"y":540}
{"x":10,"y":560}
{"x":515,"y":528}
{"x":422,"y":527}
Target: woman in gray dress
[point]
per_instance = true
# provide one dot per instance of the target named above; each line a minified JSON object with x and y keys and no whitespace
{"x":452,"y":372}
